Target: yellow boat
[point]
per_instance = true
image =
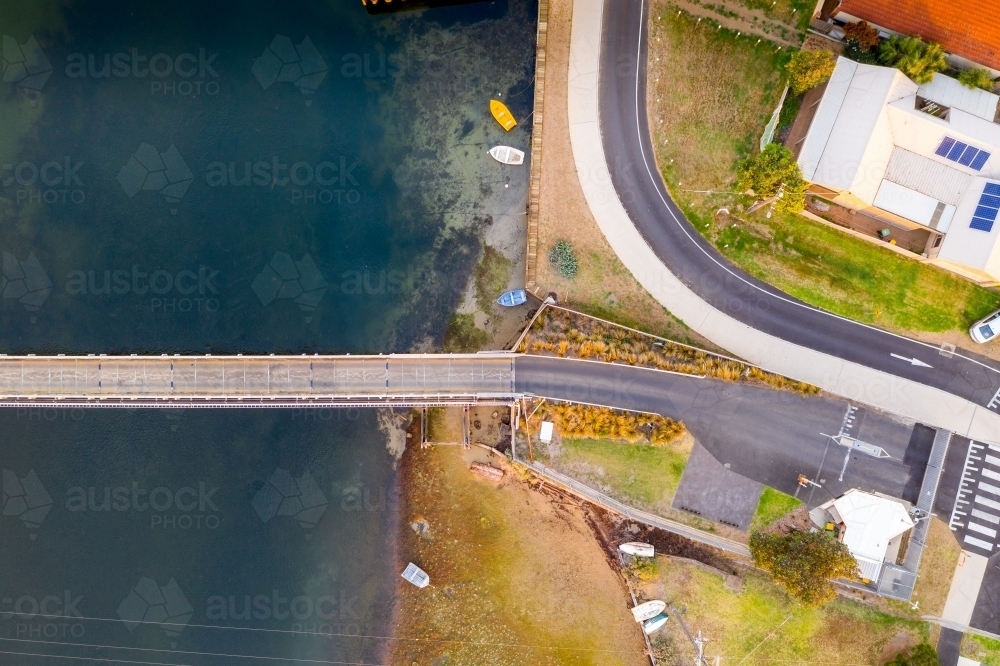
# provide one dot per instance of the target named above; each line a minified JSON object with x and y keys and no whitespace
{"x":502,"y":114}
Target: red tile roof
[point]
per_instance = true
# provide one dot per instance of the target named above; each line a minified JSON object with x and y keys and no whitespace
{"x":969,"y":28}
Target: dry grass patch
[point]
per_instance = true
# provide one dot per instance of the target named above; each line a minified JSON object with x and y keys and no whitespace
{"x":515,"y":577}
{"x":937,"y":566}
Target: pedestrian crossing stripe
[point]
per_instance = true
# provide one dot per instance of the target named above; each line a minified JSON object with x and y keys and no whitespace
{"x":983,"y":530}
{"x":985,"y":545}
{"x":990,"y":474}
{"x":985,"y":487}
{"x":987,"y":502}
{"x":982,"y":515}
{"x":993,"y":461}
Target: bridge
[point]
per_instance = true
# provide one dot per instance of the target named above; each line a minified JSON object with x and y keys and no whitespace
{"x":256,"y":381}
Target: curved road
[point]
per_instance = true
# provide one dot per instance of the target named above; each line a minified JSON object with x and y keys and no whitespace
{"x":630,"y":158}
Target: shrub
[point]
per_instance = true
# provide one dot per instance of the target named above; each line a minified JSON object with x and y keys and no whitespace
{"x":808,"y":69}
{"x":861,"y":34}
{"x":917,"y":59}
{"x":977,"y":78}
{"x":803,"y":563}
{"x":766,"y":172}
{"x":853,"y":51}
{"x":563,"y":258}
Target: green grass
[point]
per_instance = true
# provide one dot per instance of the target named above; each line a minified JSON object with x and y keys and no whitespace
{"x":842,"y":632}
{"x":640,"y":474}
{"x":492,"y":274}
{"x":710,"y":104}
{"x":981,"y":649}
{"x":773,"y":504}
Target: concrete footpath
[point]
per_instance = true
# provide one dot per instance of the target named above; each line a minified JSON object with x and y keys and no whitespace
{"x":850,"y":380}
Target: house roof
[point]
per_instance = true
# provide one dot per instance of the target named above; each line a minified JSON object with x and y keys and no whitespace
{"x":870,"y":523}
{"x":968,"y":29}
{"x":968,"y":245}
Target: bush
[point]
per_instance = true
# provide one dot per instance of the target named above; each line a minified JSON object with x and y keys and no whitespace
{"x":853,"y":51}
{"x":766,"y":172}
{"x":563,"y":258}
{"x":862,"y":35}
{"x":921,"y":655}
{"x":803,"y":563}
{"x":917,"y":59}
{"x":808,"y":69}
{"x":977,"y":78}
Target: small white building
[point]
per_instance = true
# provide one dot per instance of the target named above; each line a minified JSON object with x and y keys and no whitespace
{"x":920,"y":155}
{"x":871,"y":526}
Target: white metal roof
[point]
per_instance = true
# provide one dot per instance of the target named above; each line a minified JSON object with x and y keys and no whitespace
{"x":915,"y":206}
{"x":949,"y":92}
{"x":870,"y":523}
{"x":826,"y":116}
{"x":927,"y":176}
{"x":968,"y":246}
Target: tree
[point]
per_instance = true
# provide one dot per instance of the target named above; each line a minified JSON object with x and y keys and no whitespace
{"x":862,"y":34}
{"x":772,"y":170}
{"x":803,"y":563}
{"x":917,"y":59}
{"x":563,"y":258}
{"x":921,"y":655}
{"x":808,"y":69}
{"x":976,"y":77}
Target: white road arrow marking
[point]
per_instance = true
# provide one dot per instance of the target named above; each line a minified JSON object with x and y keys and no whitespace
{"x":912,"y":361}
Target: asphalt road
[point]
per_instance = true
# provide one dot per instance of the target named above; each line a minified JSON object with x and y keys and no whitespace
{"x":766,"y":435}
{"x":630,"y":158}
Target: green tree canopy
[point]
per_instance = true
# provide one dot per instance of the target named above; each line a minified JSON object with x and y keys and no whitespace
{"x":808,"y":69}
{"x":977,"y":77}
{"x":917,"y":59}
{"x":803,"y":563}
{"x":767,"y":171}
{"x":921,"y":655}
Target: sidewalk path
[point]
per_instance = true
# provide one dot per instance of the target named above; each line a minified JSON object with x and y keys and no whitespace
{"x":891,"y":392}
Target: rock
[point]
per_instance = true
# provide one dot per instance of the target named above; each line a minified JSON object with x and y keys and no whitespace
{"x":421,"y":527}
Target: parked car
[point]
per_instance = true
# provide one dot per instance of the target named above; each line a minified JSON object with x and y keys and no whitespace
{"x":987,"y":328}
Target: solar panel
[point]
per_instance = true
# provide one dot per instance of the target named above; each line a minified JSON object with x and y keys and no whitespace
{"x":963,"y":153}
{"x":980,"y":160}
{"x":981,"y":224}
{"x":986,"y":211}
{"x":969,"y":155}
{"x":945,"y":147}
{"x":957,"y":150}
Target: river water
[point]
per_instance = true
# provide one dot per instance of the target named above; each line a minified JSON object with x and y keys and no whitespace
{"x":254,"y":177}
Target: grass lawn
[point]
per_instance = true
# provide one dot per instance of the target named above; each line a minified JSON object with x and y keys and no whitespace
{"x":773,"y":504}
{"x":711,"y":94}
{"x":983,"y":650}
{"x":761,"y":620}
{"x":639,"y":474}
{"x":937,"y":566}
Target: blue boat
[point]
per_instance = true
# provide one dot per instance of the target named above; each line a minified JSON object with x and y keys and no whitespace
{"x":513,"y":297}
{"x":655,"y":623}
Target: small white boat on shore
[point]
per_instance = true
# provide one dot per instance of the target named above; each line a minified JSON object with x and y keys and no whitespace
{"x":655,"y":624}
{"x":507,"y":155}
{"x":648,"y":610}
{"x":637,"y":549}
{"x":416,"y":575}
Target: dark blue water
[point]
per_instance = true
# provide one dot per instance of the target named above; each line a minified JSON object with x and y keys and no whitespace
{"x":142,"y":535}
{"x":250,"y":177}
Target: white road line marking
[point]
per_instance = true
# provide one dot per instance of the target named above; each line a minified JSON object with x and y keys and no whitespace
{"x":992,"y":460}
{"x":975,"y":458}
{"x":994,"y":401}
{"x":990,"y":474}
{"x":988,"y":517}
{"x":983,"y":530}
{"x":993,"y":490}
{"x":988,"y":547}
{"x":994,"y":447}
{"x":912,"y":361}
{"x":987,"y":502}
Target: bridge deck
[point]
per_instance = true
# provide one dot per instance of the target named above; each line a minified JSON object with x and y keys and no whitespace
{"x":267,"y":380}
